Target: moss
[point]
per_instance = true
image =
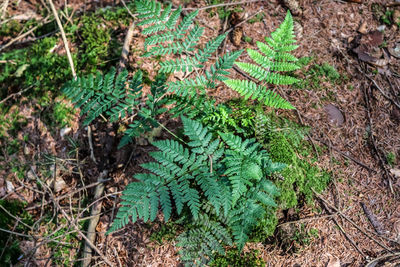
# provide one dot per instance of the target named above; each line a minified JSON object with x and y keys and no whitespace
{"x":167,"y":232}
{"x":391,"y":158}
{"x":62,"y":114}
{"x":234,"y":258}
{"x":265,"y":228}
{"x":300,"y":177}
{"x":10,"y":243}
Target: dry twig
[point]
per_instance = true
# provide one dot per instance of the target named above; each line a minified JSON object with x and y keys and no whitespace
{"x":126,"y":47}
{"x":95,"y":216}
{"x":15,"y":94}
{"x":64,"y":38}
{"x":223,"y":4}
{"x":19,"y":37}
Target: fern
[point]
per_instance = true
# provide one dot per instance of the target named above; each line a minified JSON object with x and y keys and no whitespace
{"x":271,"y":63}
{"x":108,"y":95}
{"x":231,"y":177}
{"x":104,"y":94}
{"x":168,"y":36}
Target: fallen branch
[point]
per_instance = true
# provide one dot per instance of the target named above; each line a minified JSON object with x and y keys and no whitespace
{"x":3,"y":9}
{"x":71,"y":222}
{"x":354,"y":224}
{"x":372,"y":218}
{"x":126,"y":7}
{"x":328,"y":209}
{"x":372,"y":138}
{"x":126,"y":47}
{"x":64,"y":38}
{"x":15,"y":94}
{"x":221,"y":5}
{"x":346,"y":156}
{"x":19,"y":37}
{"x":95,"y":216}
{"x":374,"y":262}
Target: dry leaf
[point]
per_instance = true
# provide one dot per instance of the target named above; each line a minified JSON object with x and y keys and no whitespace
{"x":293,"y":6}
{"x":333,"y":262}
{"x":298,"y":29}
{"x":395,"y":51}
{"x":363,"y":28}
{"x":395,"y":172}
{"x":237,"y":35}
{"x":335,"y":116}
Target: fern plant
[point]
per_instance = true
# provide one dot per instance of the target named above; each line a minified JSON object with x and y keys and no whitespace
{"x":217,"y":180}
{"x":109,"y":95}
{"x":229,"y":177}
{"x":166,"y":36}
{"x":271,"y":63}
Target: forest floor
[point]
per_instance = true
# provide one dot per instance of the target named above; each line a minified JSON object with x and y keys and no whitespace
{"x":350,"y":101}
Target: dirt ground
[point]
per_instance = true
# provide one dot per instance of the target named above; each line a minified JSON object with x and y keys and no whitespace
{"x":364,"y":188}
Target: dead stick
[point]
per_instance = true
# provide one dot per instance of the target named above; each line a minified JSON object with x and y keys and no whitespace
{"x":71,"y":62}
{"x":345,"y":155}
{"x":126,"y":7}
{"x":72,"y":223}
{"x":126,"y":47}
{"x":95,"y":216}
{"x":373,"y":262}
{"x":23,"y":35}
{"x":372,"y":218}
{"x":3,"y":9}
{"x":221,"y":5}
{"x":353,"y":223}
{"x":327,"y":208}
{"x":15,"y":94}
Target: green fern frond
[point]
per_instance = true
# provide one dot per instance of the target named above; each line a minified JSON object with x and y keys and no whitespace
{"x":203,"y":55}
{"x":249,"y":89}
{"x":104,"y":95}
{"x":188,"y":87}
{"x":270,"y":66}
{"x":181,"y":64}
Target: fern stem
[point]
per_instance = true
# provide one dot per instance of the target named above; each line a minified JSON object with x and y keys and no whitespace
{"x":171,"y":133}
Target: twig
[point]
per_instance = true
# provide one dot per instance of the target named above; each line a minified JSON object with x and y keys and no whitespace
{"x":354,"y":224}
{"x":126,"y":47}
{"x":244,"y":21}
{"x":393,"y":4}
{"x":72,"y":223}
{"x":375,"y":148}
{"x":346,"y":156}
{"x":64,"y":38}
{"x":126,"y":7}
{"x":3,"y":9}
{"x":223,"y":4}
{"x":89,"y":133}
{"x":95,"y":214}
{"x":308,"y":219}
{"x":15,"y":94}
{"x":372,"y":218}
{"x":23,"y":35}
{"x":373,"y":262}
{"x":68,"y":194}
{"x":380,"y":89}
